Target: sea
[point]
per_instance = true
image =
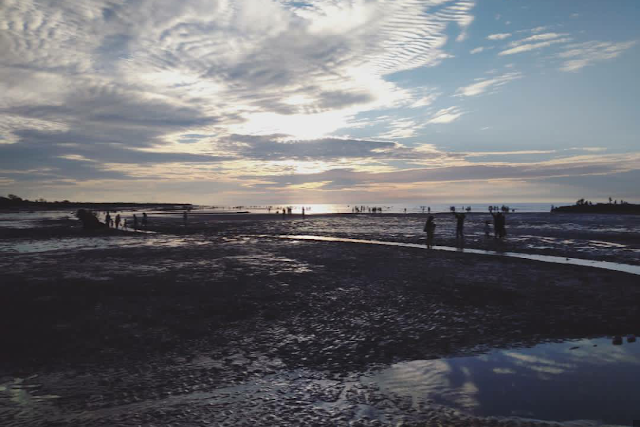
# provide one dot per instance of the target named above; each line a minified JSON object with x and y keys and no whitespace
{"x":325,"y":208}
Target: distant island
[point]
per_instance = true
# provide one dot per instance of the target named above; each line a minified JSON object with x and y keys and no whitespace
{"x":613,"y":207}
{"x":14,"y":202}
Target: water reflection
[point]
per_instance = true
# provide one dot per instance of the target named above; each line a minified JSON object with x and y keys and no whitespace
{"x":578,"y":380}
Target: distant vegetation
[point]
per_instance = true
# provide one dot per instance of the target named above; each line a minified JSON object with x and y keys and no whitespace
{"x":15,"y":202}
{"x":586,"y":206}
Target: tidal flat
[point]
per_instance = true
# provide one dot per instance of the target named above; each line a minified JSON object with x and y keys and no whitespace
{"x":222,"y":322}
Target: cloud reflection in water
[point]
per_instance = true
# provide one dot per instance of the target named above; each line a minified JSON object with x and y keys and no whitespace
{"x":577,"y":380}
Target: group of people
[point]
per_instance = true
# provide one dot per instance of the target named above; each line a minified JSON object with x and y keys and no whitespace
{"x":363,"y":209}
{"x":499,"y":226}
{"x":115,"y":223}
{"x":289,"y":211}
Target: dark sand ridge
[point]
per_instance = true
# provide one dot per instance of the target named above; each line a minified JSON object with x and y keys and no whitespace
{"x":626,"y":268}
{"x":132,"y":335}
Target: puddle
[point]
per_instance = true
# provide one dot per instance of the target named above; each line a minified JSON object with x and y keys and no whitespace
{"x":626,"y":268}
{"x":577,"y":380}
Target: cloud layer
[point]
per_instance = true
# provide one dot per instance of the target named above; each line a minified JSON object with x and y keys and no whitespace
{"x":197,"y":92}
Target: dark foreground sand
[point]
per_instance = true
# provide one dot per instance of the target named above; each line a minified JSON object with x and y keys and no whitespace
{"x":211,"y":328}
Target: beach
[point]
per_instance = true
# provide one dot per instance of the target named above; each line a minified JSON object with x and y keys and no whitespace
{"x":225,"y":322}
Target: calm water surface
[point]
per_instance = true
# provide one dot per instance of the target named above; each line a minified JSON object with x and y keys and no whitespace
{"x":590,"y":379}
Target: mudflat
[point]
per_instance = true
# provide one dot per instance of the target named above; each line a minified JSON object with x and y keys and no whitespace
{"x":222,"y":322}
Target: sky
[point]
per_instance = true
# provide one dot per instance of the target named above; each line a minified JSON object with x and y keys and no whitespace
{"x":320,"y":101}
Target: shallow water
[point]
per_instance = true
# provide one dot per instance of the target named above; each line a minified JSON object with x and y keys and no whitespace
{"x":92,"y":243}
{"x":626,"y":268}
{"x":32,"y":219}
{"x":588,"y":379}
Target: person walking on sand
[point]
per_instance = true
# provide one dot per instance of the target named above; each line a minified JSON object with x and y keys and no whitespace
{"x":144,"y":220}
{"x":117,"y":221}
{"x":135,"y":222}
{"x":430,"y":228}
{"x":459,"y":224}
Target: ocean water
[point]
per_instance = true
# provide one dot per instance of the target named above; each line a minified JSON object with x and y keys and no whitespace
{"x":319,"y":208}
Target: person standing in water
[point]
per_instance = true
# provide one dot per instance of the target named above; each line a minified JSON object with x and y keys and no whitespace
{"x":144,"y":220}
{"x":502,"y":231}
{"x":430,"y":228}
{"x":117,"y":221}
{"x":107,"y":219}
{"x":459,"y":224}
{"x":184,"y":218}
{"x":135,"y":222}
{"x":499,"y":225}
{"x":303,"y":212}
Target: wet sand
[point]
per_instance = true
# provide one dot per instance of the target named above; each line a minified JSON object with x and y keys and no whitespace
{"x":210,"y":325}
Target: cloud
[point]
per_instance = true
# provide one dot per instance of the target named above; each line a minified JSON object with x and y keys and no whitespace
{"x":120,"y":88}
{"x":446,"y":115}
{"x":537,"y":38}
{"x":519,"y":47}
{"x":401,"y":128}
{"x":280,"y":147}
{"x":482,"y":85}
{"x":476,"y":50}
{"x":577,"y":56}
{"x":500,"y":36}
{"x":454,"y":170}
{"x":538,"y":29}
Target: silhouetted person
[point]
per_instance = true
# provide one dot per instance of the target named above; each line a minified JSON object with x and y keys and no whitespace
{"x":184,"y":218}
{"x":459,"y":225}
{"x":502,"y":232}
{"x":499,"y":224}
{"x":430,"y":228}
{"x":303,"y":212}
{"x":117,"y":221}
{"x":107,"y":219}
{"x":135,"y":222}
{"x":487,"y":228}
{"x":429,"y":209}
{"x":124,"y":224}
{"x":284,"y":213}
{"x":144,"y":220}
